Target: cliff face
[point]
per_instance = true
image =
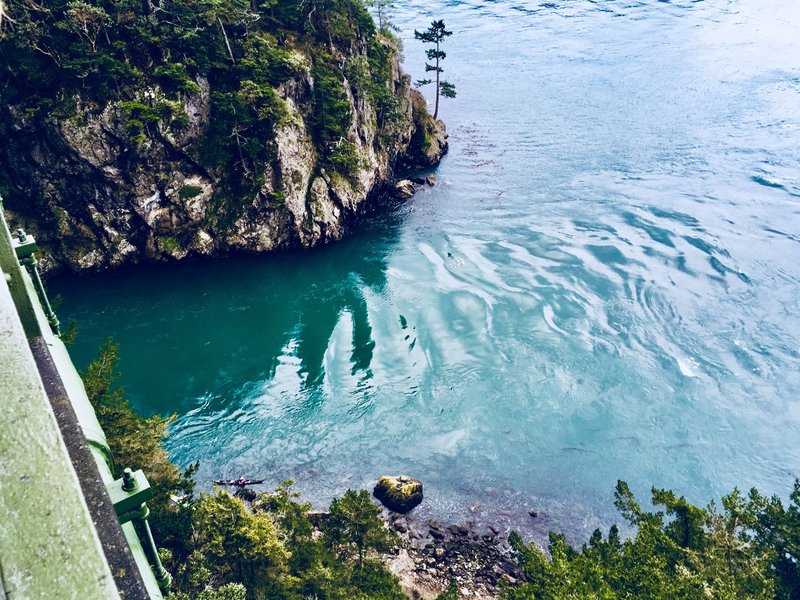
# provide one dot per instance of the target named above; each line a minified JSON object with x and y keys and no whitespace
{"x":98,"y":193}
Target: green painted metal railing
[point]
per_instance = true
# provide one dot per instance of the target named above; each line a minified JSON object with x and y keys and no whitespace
{"x":130,"y":493}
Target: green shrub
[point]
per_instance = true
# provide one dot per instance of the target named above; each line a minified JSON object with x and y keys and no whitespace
{"x":189,"y":191}
{"x":168,"y":244}
{"x":278,"y":198}
{"x":345,"y":158}
{"x":333,"y":117}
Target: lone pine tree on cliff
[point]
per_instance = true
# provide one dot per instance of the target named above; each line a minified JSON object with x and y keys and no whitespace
{"x":435,"y":34}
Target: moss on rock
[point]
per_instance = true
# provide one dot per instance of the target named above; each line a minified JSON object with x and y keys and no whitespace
{"x":398,"y":493}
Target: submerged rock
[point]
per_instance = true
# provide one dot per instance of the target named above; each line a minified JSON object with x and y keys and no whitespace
{"x":399,"y":494}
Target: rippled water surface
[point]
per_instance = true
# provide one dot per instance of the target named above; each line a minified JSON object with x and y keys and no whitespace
{"x":604,"y":284}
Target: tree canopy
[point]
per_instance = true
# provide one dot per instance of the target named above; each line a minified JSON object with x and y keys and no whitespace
{"x":746,"y":550}
{"x":66,"y":59}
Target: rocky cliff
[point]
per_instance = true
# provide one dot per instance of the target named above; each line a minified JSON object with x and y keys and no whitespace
{"x":159,"y":174}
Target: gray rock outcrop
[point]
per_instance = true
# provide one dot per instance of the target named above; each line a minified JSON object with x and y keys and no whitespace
{"x":403,"y":189}
{"x":96,"y":198}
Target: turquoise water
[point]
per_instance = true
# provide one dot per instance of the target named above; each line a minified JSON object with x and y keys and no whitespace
{"x":604,"y":284}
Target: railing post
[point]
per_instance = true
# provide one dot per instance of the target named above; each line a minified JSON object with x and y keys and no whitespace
{"x":163,"y":578}
{"x":25,"y":248}
{"x":128,"y":495}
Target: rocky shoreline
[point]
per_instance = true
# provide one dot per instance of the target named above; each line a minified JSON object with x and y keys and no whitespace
{"x":432,"y":554}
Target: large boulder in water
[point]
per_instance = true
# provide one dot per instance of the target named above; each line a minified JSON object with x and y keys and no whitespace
{"x":399,"y":494}
{"x":403,"y":189}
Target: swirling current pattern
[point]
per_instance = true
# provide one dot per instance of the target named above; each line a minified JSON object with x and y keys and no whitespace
{"x":603,"y":284}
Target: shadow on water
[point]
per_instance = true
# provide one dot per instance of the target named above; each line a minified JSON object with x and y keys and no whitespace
{"x":219,"y":325}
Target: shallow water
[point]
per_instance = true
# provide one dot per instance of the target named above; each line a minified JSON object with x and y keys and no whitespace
{"x":604,"y":284}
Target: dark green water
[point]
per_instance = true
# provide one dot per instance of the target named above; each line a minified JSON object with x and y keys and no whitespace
{"x":605,"y":283}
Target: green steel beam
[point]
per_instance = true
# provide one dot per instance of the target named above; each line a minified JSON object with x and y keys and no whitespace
{"x":49,"y":547}
{"x":27,"y":302}
{"x":140,"y":556}
{"x":129,"y":495}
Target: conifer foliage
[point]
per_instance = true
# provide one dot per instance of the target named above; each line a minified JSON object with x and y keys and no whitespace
{"x":435,"y":35}
{"x":748,"y":549}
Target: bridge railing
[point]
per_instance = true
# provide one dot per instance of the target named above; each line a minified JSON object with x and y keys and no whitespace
{"x":73,"y":531}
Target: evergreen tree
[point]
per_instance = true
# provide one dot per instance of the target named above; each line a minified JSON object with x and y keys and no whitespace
{"x":382,"y":10}
{"x":137,"y":442}
{"x":354,"y":526}
{"x":682,"y":551}
{"x":435,"y":34}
